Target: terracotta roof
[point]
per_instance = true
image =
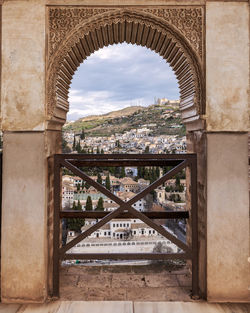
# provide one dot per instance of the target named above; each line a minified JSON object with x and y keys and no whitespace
{"x":125,"y":194}
{"x":157,"y":208}
{"x":110,"y":205}
{"x":106,"y":226}
{"x":139,"y":225}
{"x":127,"y":180}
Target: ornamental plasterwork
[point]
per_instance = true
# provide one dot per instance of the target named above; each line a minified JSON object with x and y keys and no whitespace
{"x":63,"y":20}
{"x":67,"y":25}
{"x":188,"y":20}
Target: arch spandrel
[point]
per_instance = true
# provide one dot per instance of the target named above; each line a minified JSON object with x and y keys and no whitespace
{"x":111,"y":26}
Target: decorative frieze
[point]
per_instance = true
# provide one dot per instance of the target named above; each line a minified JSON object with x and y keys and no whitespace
{"x":188,"y":20}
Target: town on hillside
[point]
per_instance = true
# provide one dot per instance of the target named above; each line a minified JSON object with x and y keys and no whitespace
{"x":124,"y":235}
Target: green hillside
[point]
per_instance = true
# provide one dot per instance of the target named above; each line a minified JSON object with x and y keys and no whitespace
{"x":161,"y":119}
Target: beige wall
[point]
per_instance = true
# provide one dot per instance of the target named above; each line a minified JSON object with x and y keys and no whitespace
{"x":24,"y":218}
{"x":23,"y":65}
{"x":227,"y":117}
{"x":228,"y":274}
{"x":227,"y":69}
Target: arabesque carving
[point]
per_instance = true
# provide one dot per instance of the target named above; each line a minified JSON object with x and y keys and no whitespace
{"x":75,"y":33}
{"x":63,"y":20}
{"x":188,"y":20}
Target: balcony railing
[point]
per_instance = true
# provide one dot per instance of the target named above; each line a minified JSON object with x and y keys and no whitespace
{"x":125,"y":210}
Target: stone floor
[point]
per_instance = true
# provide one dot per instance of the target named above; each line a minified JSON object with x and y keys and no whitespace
{"x":125,"y":307}
{"x":155,"y":282}
{"x":136,"y":289}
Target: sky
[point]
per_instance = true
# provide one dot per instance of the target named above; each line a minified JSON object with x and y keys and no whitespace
{"x":119,"y":76}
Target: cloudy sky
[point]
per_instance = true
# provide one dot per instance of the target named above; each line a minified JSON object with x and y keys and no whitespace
{"x":119,"y":76}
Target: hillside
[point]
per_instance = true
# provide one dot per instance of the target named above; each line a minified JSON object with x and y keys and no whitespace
{"x":161,"y":119}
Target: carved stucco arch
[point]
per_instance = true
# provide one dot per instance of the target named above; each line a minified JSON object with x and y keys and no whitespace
{"x":107,"y":27}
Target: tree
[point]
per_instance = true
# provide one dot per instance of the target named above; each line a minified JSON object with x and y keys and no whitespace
{"x":107,"y":183}
{"x":181,"y":189}
{"x":161,"y":247}
{"x":128,"y":234}
{"x":65,"y":147}
{"x":117,"y":171}
{"x":82,"y":136}
{"x":83,"y":185}
{"x":123,"y":174}
{"x":177,"y":180}
{"x":157,"y":172}
{"x":167,"y":189}
{"x":79,"y":206}
{"x":74,"y":143}
{"x":89,"y":205}
{"x":146,"y":149}
{"x":99,"y":178}
{"x":100,"y":206}
{"x":139,"y":172}
{"x":75,"y":223}
{"x":78,"y":147}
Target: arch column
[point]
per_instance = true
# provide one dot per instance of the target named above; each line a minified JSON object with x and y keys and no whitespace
{"x":24,"y":246}
{"x":227,"y":87}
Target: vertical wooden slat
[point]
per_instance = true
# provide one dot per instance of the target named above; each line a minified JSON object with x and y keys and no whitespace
{"x":194,"y":223}
{"x":56,"y":226}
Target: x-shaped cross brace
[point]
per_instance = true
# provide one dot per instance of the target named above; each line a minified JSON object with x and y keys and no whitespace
{"x":125,"y":206}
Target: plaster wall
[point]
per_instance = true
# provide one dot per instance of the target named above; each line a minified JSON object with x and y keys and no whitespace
{"x":227,"y":66}
{"x":227,"y":218}
{"x":23,"y":65}
{"x":24,"y":218}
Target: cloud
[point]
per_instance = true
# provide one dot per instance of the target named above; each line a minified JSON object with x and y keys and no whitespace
{"x":118,"y":76}
{"x":95,"y":103}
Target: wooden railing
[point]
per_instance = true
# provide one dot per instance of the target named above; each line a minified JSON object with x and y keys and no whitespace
{"x":74,"y":162}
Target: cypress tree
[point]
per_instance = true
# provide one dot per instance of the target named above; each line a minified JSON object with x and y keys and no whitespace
{"x":75,"y":223}
{"x":89,"y":205}
{"x":74,"y":143}
{"x":157,"y":172}
{"x":107,"y":183}
{"x":139,"y":172}
{"x":100,"y":206}
{"x":99,"y":178}
{"x":83,"y":185}
{"x":123,"y":174}
{"x":146,"y":149}
{"x":79,"y":206}
{"x":78,"y":147}
{"x":82,"y":136}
